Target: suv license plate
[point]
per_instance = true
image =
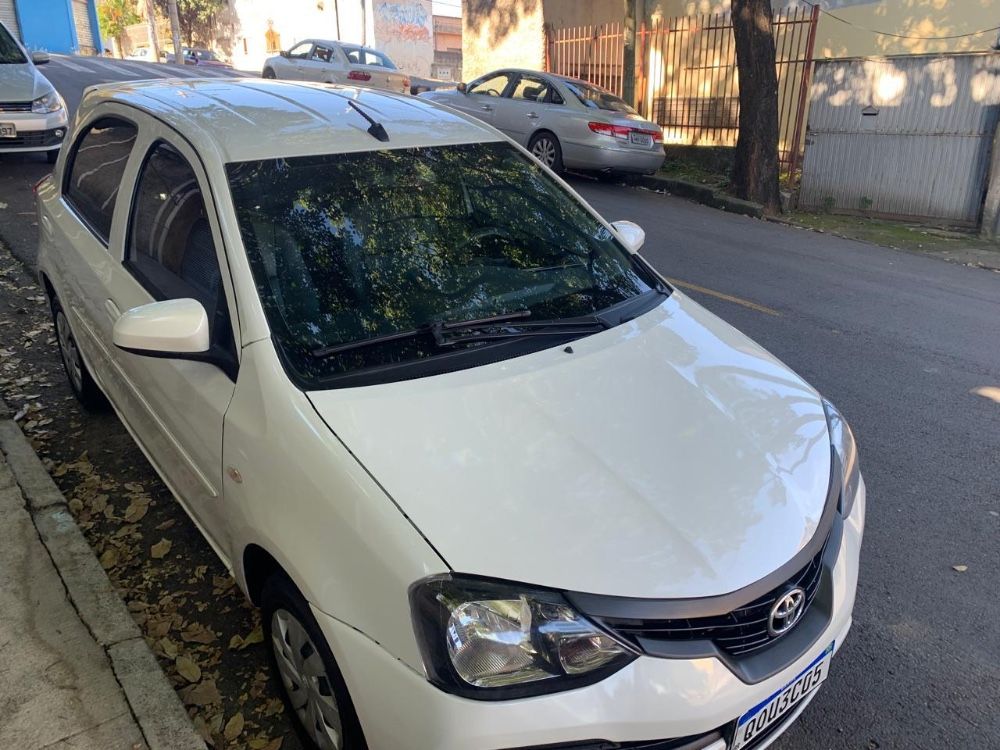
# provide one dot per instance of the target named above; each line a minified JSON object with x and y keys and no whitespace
{"x":640,"y":139}
{"x":755,"y":722}
{"x":8,"y":130}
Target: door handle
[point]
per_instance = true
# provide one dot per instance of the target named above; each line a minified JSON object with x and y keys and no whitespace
{"x":112,"y":310}
{"x":486,"y":107}
{"x":532,"y":116}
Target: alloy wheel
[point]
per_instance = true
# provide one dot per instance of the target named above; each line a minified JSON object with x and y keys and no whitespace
{"x":303,"y":674}
{"x":70,"y":354}
{"x":545,"y":151}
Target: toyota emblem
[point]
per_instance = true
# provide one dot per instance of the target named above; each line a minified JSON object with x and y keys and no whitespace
{"x":787,"y":611}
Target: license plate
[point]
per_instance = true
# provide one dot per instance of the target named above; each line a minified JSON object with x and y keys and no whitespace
{"x":755,"y":722}
{"x":640,"y":139}
{"x":7,"y":130}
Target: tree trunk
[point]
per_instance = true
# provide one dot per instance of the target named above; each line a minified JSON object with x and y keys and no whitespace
{"x":755,"y":174}
{"x":628,"y":58}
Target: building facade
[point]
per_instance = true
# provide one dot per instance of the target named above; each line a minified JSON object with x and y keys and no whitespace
{"x":250,"y":31}
{"x":500,"y":33}
{"x":63,"y":26}
{"x":447,"y":64}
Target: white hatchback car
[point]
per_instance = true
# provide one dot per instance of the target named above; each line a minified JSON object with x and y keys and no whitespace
{"x":494,"y":483}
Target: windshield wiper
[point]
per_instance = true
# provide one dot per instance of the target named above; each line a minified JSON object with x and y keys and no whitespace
{"x":436,"y":329}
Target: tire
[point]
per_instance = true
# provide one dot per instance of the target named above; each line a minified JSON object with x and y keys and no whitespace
{"x":80,"y":380}
{"x":51,"y":156}
{"x":318,"y":703}
{"x":545,"y":147}
{"x":268,"y":73}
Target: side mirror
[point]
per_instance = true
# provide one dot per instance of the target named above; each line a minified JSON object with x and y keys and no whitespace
{"x":284,"y":53}
{"x":40,"y":58}
{"x":172,"y":328}
{"x":631,"y":234}
{"x":462,"y":88}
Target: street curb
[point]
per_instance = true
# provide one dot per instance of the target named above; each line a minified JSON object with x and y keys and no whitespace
{"x":156,"y":707}
{"x":700,"y":194}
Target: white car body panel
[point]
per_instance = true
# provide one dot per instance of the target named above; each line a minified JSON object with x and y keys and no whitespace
{"x":647,"y":700}
{"x":540,"y":468}
{"x":666,"y":457}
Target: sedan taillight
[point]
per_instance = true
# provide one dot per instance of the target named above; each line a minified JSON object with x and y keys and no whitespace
{"x":358,"y":75}
{"x":622,"y":132}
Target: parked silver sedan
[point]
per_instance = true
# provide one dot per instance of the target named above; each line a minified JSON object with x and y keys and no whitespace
{"x":326,"y":61}
{"x":565,"y":122}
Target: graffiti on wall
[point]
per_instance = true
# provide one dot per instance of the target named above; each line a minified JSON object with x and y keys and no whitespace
{"x":403,"y":30}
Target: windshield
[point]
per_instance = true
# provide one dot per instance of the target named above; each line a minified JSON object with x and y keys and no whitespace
{"x":10,"y":52}
{"x":598,"y":98}
{"x":349,"y":247}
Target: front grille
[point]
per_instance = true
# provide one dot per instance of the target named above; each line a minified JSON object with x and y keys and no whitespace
{"x":15,"y":106}
{"x":33,"y":139}
{"x":739,"y":632}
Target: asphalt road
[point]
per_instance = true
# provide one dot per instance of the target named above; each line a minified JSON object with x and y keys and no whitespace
{"x":908,"y":347}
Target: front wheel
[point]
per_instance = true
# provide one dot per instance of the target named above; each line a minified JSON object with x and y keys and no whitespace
{"x":313,"y":687}
{"x":80,"y":380}
{"x":268,"y":73}
{"x":545,"y":147}
{"x":51,"y":156}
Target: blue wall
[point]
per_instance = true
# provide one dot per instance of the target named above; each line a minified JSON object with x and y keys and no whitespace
{"x":48,"y":25}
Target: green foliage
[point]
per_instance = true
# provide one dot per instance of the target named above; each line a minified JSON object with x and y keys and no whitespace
{"x":115,"y":15}
{"x":196,"y":17}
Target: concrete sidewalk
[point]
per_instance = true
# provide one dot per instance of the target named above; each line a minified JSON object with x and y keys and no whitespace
{"x":75,"y":672}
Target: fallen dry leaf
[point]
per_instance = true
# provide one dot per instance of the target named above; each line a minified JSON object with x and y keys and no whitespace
{"x":160,"y":549}
{"x":187,"y":668}
{"x":234,"y":727}
{"x":204,"y":693}
{"x":197,"y":633}
{"x":136,"y":509}
{"x":168,"y":647}
{"x":109,"y":558}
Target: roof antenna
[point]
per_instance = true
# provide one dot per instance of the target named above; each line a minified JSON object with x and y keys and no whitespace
{"x":376,"y":130}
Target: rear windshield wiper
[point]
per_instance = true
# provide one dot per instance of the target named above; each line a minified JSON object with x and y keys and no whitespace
{"x":477,"y":329}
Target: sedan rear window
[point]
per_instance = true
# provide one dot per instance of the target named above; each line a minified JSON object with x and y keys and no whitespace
{"x":10,"y":52}
{"x":598,"y":98}
{"x":348,"y":247}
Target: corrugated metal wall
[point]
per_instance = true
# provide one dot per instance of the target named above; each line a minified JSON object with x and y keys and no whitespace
{"x":902,"y":136}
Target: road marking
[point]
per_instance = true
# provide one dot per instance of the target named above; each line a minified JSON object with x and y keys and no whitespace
{"x":990,"y":392}
{"x":727,"y":297}
{"x":59,"y":59}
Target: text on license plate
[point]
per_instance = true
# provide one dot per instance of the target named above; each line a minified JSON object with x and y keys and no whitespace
{"x":756,"y":721}
{"x":640,"y":139}
{"x":8,"y":130}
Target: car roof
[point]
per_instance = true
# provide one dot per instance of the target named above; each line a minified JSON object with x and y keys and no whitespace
{"x":249,"y":119}
{"x":544,"y":73}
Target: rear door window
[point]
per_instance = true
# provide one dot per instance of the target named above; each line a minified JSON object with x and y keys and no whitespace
{"x":95,"y":171}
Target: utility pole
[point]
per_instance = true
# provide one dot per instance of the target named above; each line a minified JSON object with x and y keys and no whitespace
{"x":154,"y":42}
{"x":175,"y":32}
{"x":364,"y":22}
{"x":628,"y":63}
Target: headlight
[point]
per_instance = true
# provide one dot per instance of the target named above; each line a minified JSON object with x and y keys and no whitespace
{"x":847,"y":451}
{"x":47,"y":104}
{"x":492,"y":640}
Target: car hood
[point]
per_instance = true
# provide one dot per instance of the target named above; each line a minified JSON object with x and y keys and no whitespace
{"x":666,"y":457}
{"x":22,"y":83}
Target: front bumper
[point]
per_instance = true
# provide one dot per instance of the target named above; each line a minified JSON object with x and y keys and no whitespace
{"x":652,"y":699}
{"x":34,"y":132}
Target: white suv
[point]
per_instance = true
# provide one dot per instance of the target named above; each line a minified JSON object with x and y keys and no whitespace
{"x":494,"y":483}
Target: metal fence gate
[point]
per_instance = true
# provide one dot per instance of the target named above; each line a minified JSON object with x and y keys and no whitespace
{"x":902,"y":137}
{"x":686,"y":78}
{"x":591,"y":53}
